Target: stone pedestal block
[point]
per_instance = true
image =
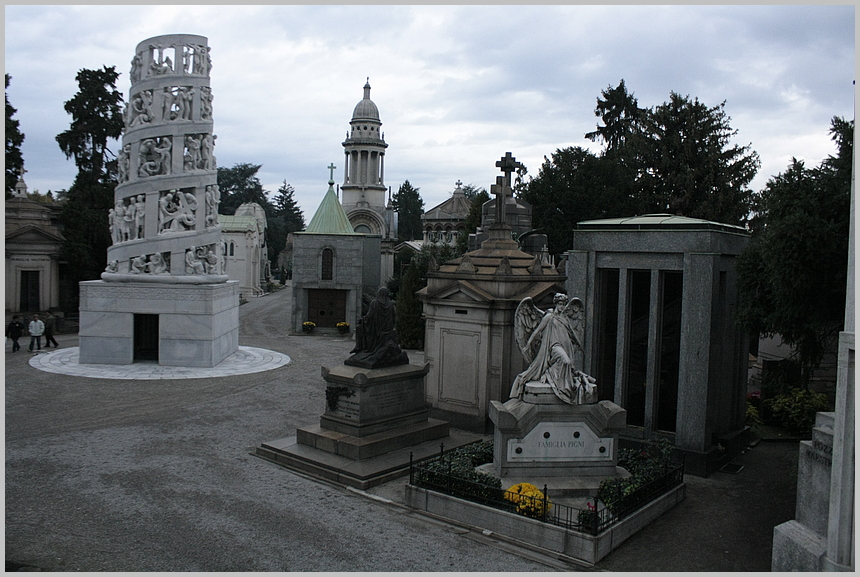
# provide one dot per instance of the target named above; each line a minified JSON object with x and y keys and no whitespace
{"x":549,"y":438}
{"x":376,"y":421}
{"x":362,"y":402}
{"x":190,"y":325}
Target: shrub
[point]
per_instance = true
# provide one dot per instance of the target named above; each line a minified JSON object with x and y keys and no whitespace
{"x":752,"y":417}
{"x":466,"y":481}
{"x":644,"y":464}
{"x":796,"y":409}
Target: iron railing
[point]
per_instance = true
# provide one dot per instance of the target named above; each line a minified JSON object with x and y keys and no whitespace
{"x":435,"y":474}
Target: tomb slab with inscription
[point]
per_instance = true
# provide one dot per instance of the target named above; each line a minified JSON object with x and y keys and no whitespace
{"x":539,"y":436}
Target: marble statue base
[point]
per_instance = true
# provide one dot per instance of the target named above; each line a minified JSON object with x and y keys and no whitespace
{"x":180,"y":325}
{"x":540,"y":436}
{"x":375,"y":420}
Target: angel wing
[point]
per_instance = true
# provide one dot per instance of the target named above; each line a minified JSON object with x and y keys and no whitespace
{"x":573,"y":310}
{"x":526,"y":318}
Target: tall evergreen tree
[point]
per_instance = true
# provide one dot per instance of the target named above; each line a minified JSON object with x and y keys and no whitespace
{"x":409,"y":206}
{"x":14,"y":140}
{"x":686,"y":164}
{"x":473,"y":219}
{"x":239,"y":185}
{"x":287,"y":217}
{"x":97,"y":122}
{"x":621,"y":116}
{"x":792,"y":274}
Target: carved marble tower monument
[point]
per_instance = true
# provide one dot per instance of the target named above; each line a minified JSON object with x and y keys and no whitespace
{"x":164,"y":295}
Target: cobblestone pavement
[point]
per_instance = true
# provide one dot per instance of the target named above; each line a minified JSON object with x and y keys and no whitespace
{"x":118,"y":474}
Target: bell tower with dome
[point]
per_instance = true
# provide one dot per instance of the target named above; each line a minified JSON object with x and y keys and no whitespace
{"x":363,"y":185}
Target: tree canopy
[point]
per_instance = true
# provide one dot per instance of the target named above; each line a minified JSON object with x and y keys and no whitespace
{"x":676,"y":157}
{"x":409,"y":206}
{"x":239,"y":185}
{"x":14,"y":140}
{"x":792,"y":275}
{"x":473,"y":220}
{"x":286,"y":218}
{"x":97,"y":121}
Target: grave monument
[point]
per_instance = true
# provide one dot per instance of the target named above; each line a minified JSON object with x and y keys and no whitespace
{"x":469,"y":306}
{"x":553,"y":431}
{"x":164,"y":295}
{"x":376,"y":419}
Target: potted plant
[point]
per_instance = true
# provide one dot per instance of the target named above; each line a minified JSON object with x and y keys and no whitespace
{"x":343,"y":327}
{"x":308,"y":326}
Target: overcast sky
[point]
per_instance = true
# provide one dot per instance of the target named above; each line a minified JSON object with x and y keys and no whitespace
{"x":456,"y":87}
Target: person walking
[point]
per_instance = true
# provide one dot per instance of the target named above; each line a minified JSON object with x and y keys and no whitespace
{"x":37,"y":327}
{"x":50,"y":327}
{"x":14,"y":332}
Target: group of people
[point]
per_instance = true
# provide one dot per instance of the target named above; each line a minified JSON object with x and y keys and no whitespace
{"x":37,"y":329}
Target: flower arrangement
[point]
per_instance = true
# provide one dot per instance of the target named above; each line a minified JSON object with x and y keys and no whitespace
{"x":343,"y":326}
{"x":529,"y":499}
{"x":308,"y":326}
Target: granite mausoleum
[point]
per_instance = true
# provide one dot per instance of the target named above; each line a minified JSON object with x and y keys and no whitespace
{"x":660,"y":292}
{"x":164,"y":295}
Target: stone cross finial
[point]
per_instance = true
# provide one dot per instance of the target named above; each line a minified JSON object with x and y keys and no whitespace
{"x":331,"y":168}
{"x":459,"y":183}
{"x":508,"y":164}
{"x":501,"y":192}
{"x":21,"y":171}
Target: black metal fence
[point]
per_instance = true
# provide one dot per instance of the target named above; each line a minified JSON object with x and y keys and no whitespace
{"x":435,"y":474}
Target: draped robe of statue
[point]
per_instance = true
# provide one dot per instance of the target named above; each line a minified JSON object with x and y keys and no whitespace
{"x":376,"y":342}
{"x":548,"y":341}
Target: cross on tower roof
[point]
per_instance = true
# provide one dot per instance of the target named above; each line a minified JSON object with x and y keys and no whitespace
{"x":459,"y":183}
{"x":331,"y":168}
{"x":508,"y":164}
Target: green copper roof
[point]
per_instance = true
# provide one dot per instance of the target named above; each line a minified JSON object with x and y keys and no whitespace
{"x":330,"y":217}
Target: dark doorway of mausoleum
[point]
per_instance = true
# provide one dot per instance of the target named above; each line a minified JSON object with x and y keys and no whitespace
{"x":326,"y":307}
{"x":29,"y":291}
{"x":145,"y":337}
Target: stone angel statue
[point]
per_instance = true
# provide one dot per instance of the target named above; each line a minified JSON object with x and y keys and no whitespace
{"x":549,"y":340}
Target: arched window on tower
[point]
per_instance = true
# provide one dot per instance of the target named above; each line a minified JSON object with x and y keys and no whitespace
{"x":327,"y":272}
{"x":231,"y":248}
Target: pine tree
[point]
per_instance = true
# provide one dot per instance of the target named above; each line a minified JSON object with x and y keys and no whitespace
{"x":409,"y":206}
{"x":14,"y":140}
{"x":97,"y":121}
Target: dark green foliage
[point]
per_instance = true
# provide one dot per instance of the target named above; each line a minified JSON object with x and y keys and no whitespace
{"x":796,"y":409}
{"x":644,"y":464}
{"x":96,"y":120}
{"x":464,"y":481}
{"x":239,"y":185}
{"x":674,"y":158}
{"x":574,"y":185}
{"x":286,"y":218}
{"x":96,"y":112}
{"x":793,"y":273}
{"x":14,"y":140}
{"x":473,"y":219}
{"x":409,"y":206}
{"x":409,"y":324}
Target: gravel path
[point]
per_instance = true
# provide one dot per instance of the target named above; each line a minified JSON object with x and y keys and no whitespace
{"x":113,"y":475}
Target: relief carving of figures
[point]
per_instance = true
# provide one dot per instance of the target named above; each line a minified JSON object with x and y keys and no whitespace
{"x":155,"y":157}
{"x":550,"y":342}
{"x":192,"y":263}
{"x":141,"y":108}
{"x":136,"y":68}
{"x":177,"y":103}
{"x":205,"y":103}
{"x":140,"y":215}
{"x":111,"y":226}
{"x":210,"y":260}
{"x":187,"y":57}
{"x":175,"y":214}
{"x":192,"y":152}
{"x":128,"y":226}
{"x":213,"y":198}
{"x":118,"y":232}
{"x":160,"y":65}
{"x":202,"y":62}
{"x":157,"y":264}
{"x":207,"y":149}
{"x":112,"y":266}
{"x":138,"y":264}
{"x":123,"y":163}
